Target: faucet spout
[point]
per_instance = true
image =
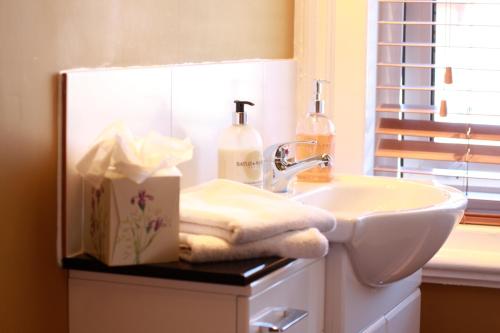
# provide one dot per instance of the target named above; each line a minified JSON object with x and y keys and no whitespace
{"x":322,"y":161}
{"x":279,"y":169}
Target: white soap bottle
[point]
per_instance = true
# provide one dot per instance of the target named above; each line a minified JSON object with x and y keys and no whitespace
{"x":240,"y":150}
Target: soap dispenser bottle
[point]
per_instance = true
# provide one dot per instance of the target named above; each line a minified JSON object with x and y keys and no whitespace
{"x":240,"y":150}
{"x":316,"y":126}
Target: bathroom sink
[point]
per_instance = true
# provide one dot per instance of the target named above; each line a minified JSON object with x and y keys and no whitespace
{"x":390,"y":227}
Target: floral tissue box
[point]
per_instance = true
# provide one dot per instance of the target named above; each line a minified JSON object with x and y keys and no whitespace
{"x":128,"y":223}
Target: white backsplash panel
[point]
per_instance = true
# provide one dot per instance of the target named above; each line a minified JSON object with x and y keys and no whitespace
{"x":92,"y":100}
{"x":190,"y":100}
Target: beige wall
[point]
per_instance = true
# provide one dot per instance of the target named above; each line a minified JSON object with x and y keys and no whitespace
{"x":38,"y":39}
{"x":453,"y":309}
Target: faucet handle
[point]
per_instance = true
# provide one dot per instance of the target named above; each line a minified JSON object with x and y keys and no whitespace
{"x":309,"y":142}
{"x":278,"y":153}
{"x":280,"y":150}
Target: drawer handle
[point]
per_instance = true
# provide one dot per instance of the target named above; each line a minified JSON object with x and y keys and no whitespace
{"x":280,"y":319}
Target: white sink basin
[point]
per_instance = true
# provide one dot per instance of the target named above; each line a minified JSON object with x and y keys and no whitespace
{"x":390,"y":227}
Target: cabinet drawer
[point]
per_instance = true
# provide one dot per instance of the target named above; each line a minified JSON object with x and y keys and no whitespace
{"x":303,"y":290}
{"x":103,"y":307}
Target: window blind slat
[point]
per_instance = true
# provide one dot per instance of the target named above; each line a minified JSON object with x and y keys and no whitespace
{"x":435,"y":129}
{"x":406,"y":44}
{"x":430,"y":23}
{"x":402,"y":87}
{"x":433,"y":88}
{"x":409,"y":108}
{"x":428,"y":109}
{"x":441,"y":172}
{"x":407,"y":65}
{"x":434,"y":66}
{"x":438,"y":151}
{"x":441,"y":46}
{"x":441,"y":2}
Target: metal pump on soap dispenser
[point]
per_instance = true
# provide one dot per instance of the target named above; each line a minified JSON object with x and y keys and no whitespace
{"x":240,"y":116}
{"x":318,"y":103}
{"x":240,"y":150}
{"x":316,"y":126}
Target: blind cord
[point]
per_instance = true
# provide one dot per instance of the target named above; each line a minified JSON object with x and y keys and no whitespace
{"x":467,"y":155}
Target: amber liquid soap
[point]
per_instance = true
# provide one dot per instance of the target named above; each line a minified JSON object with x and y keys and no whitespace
{"x":316,"y":126}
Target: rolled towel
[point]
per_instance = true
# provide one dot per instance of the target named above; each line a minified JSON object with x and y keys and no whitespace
{"x":240,"y":213}
{"x":307,"y":243}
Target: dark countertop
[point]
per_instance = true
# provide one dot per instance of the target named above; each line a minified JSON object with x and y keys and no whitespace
{"x":238,"y":273}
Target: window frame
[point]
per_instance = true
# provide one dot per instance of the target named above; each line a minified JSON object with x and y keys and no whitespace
{"x":477,"y":210}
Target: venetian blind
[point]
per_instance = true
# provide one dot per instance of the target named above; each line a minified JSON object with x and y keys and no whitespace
{"x":438,"y":95}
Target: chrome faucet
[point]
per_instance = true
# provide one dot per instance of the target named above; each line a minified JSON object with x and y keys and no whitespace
{"x":279,"y":169}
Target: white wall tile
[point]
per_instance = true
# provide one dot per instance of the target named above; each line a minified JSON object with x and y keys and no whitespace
{"x":278,"y":120}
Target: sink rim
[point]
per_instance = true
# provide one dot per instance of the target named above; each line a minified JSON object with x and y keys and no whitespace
{"x":453,"y":198}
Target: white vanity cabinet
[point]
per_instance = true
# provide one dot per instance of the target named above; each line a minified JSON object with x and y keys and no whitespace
{"x":404,"y":318}
{"x":353,"y":307}
{"x":103,"y":302}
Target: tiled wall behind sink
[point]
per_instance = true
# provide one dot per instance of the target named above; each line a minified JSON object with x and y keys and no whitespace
{"x":203,"y":103}
{"x":192,"y":100}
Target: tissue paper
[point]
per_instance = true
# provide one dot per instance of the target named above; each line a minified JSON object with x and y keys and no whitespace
{"x":118,"y":151}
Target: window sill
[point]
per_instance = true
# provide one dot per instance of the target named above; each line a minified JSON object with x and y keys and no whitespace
{"x":470,"y":257}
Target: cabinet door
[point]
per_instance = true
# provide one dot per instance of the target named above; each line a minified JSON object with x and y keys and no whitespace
{"x":304,"y":290}
{"x":103,"y":307}
{"x":405,"y":317}
{"x":376,"y":327}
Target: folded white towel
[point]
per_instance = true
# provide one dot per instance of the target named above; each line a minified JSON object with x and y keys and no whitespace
{"x":240,"y":213}
{"x":308,"y":243}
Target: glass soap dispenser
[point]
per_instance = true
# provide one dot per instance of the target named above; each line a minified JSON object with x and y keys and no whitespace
{"x":316,"y":126}
{"x":240,"y":150}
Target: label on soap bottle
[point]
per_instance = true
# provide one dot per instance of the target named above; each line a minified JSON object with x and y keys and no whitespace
{"x":244,"y":166}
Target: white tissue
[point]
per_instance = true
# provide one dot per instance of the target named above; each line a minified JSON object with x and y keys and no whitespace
{"x":137,"y":159}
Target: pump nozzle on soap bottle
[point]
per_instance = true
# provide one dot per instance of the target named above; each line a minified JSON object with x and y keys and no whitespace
{"x":240,"y":150}
{"x":240,"y":116}
{"x":318,"y":103}
{"x":316,"y":126}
